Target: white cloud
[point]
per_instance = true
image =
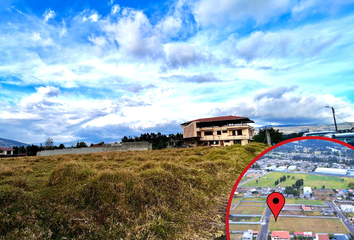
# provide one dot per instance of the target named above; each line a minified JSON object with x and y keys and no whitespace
{"x":94,"y":17}
{"x":304,"y":8}
{"x":218,"y":12}
{"x":289,"y":107}
{"x":48,"y":14}
{"x":134,"y":34}
{"x":182,"y":55}
{"x":169,"y":27}
{"x":115,"y":9}
{"x":36,"y":37}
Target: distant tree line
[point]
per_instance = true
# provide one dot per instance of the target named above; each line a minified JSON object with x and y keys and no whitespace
{"x":158,"y":140}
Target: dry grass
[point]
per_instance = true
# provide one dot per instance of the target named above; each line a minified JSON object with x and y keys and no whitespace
{"x":160,"y":194}
{"x":243,"y":227}
{"x":308,"y":225}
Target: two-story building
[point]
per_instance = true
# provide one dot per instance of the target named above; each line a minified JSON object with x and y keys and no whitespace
{"x":218,"y":131}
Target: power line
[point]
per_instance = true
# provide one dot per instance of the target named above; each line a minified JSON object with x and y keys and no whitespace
{"x":344,"y":120}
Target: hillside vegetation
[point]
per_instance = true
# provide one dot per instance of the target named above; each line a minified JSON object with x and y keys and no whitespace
{"x":155,"y":194}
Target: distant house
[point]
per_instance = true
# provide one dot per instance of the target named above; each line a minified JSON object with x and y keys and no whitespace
{"x":6,"y":151}
{"x":307,"y":191}
{"x":248,"y":235}
{"x":280,"y":235}
{"x":305,"y":208}
{"x":218,"y":131}
{"x":327,"y":211}
{"x":305,"y":234}
{"x":322,"y":236}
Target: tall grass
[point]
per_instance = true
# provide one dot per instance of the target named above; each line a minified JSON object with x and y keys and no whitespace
{"x":155,"y":194}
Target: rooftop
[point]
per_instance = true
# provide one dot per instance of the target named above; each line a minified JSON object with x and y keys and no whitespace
{"x":6,"y":149}
{"x":224,"y":119}
{"x":281,"y":234}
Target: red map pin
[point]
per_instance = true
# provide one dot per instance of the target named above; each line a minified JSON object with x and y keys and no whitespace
{"x":276,"y":203}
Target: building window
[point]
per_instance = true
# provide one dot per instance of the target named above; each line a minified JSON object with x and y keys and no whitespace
{"x":219,"y":132}
{"x":233,"y":132}
{"x":211,"y":142}
{"x":227,"y":141}
{"x":208,"y":133}
{"x":224,"y":131}
{"x":199,"y":134}
{"x":239,"y":132}
{"x":216,"y":142}
{"x":237,"y":141}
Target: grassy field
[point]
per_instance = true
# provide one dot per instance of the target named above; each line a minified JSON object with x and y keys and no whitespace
{"x":313,"y":213}
{"x":308,"y":225}
{"x":236,"y":200}
{"x":255,"y":199}
{"x":155,"y":194}
{"x":243,"y":227}
{"x":349,"y":214}
{"x":251,"y":203}
{"x":303,"y":201}
{"x":309,"y":181}
{"x":236,"y":236}
{"x":248,"y":210}
{"x":246,"y":219}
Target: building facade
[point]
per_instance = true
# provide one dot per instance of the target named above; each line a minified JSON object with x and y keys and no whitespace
{"x":6,"y":151}
{"x":218,"y":131}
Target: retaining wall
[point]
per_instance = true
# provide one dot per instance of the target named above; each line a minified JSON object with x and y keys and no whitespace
{"x":125,"y":146}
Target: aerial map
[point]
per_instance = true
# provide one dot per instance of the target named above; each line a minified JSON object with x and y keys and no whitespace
{"x":316,"y":178}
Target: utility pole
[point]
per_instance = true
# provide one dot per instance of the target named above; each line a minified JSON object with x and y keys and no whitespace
{"x":334,"y":117}
{"x":268,"y":136}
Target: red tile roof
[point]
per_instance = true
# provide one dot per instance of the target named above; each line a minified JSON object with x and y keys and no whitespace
{"x":323,"y":236}
{"x":281,"y":234}
{"x":223,"y":118}
{"x":96,"y":146}
{"x":306,"y":208}
{"x":6,"y":149}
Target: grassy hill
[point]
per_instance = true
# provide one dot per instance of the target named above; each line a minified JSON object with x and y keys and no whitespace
{"x":161,"y":194}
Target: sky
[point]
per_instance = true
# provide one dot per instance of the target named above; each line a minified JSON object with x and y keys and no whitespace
{"x":100,"y":70}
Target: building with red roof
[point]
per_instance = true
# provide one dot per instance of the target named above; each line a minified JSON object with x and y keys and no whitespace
{"x":324,"y":236}
{"x":280,"y":235}
{"x":218,"y":131}
{"x":306,"y":208}
{"x":6,"y":151}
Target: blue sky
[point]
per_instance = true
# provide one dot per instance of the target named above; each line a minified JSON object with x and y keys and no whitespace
{"x":94,"y":70}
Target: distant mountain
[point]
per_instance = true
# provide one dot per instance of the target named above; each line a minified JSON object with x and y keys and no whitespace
{"x":287,"y":129}
{"x":7,"y":143}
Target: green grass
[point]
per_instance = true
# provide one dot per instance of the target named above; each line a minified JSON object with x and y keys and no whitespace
{"x":255,"y":199}
{"x":236,"y":200}
{"x":160,"y":194}
{"x":248,"y":210}
{"x":243,"y":227}
{"x":303,"y":201}
{"x":309,"y":180}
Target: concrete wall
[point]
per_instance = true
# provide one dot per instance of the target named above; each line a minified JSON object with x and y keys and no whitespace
{"x":69,"y":151}
{"x":126,"y":146}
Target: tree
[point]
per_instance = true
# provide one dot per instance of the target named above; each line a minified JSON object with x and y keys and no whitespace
{"x":81,"y":144}
{"x":323,"y":187}
{"x":288,"y":176}
{"x":275,"y":135}
{"x":257,"y":181}
{"x":61,"y":146}
{"x":49,"y":143}
{"x":276,"y":182}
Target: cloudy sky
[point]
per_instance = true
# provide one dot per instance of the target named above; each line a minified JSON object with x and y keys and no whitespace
{"x":99,"y":70}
